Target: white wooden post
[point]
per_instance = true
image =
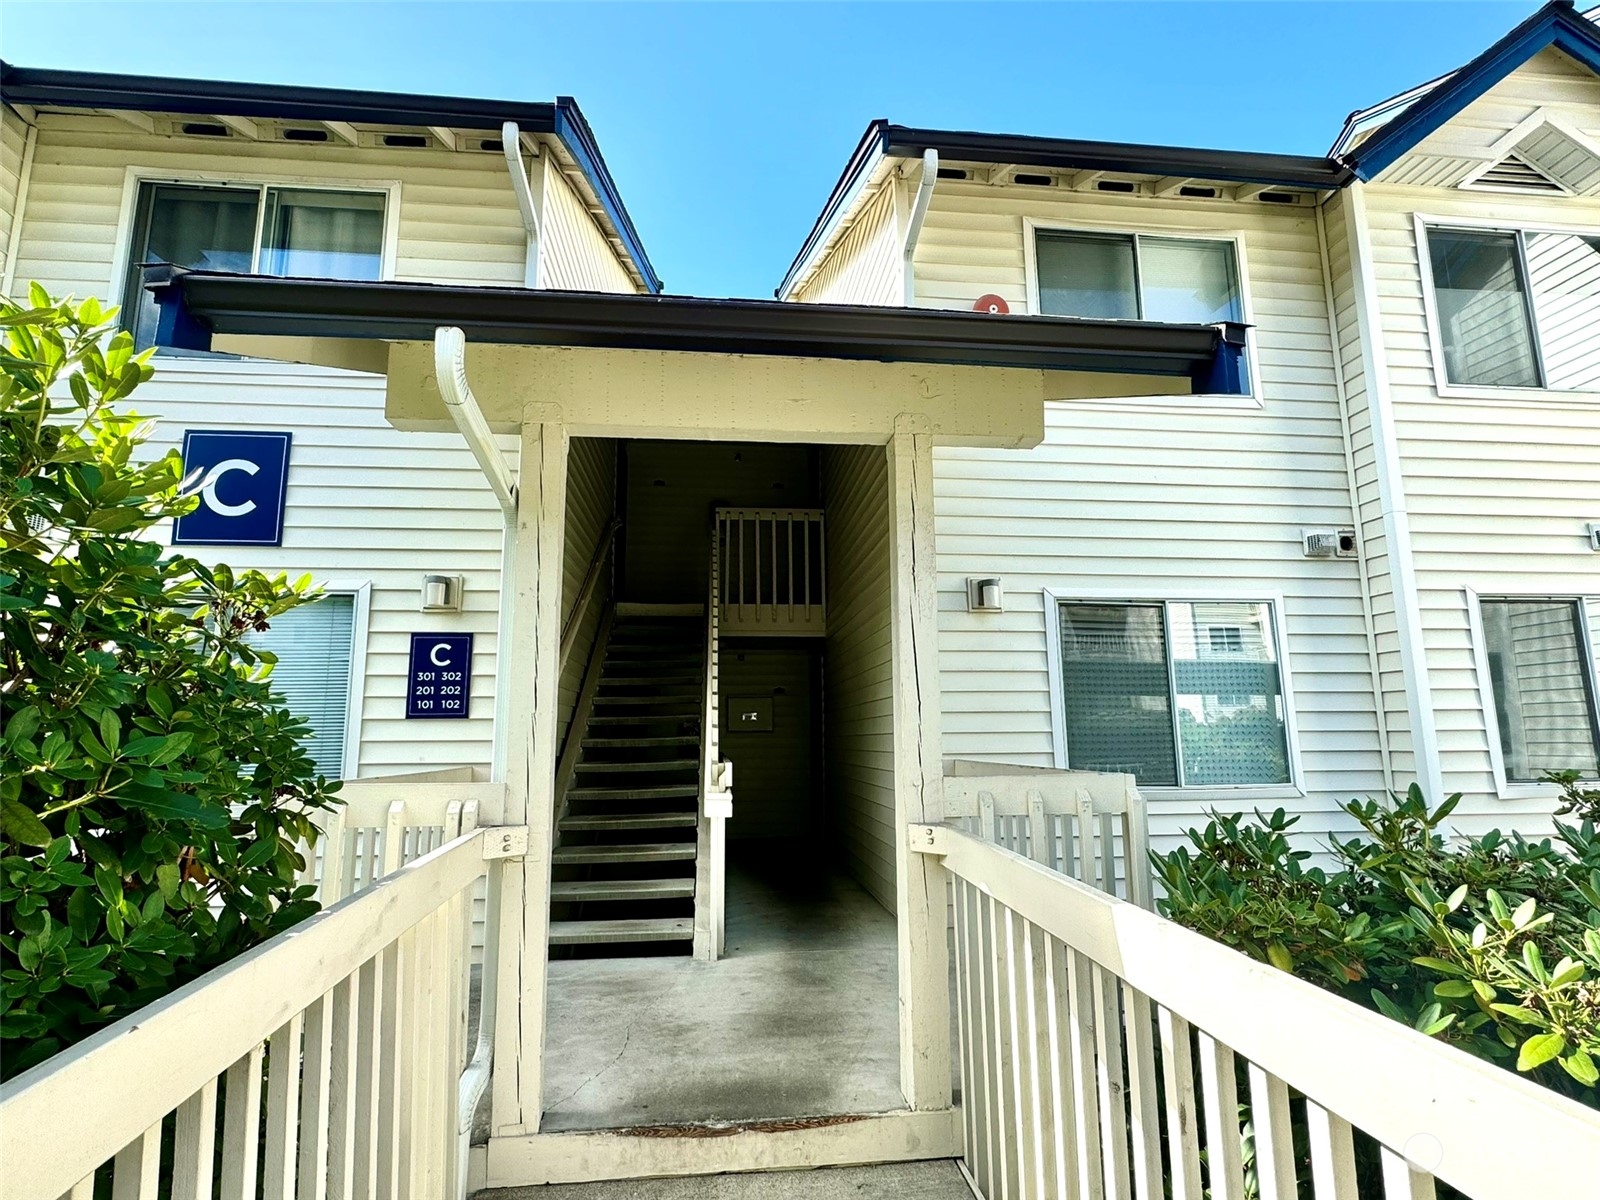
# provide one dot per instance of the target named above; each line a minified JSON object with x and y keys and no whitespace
{"x":529,"y":669}
{"x":920,"y":895}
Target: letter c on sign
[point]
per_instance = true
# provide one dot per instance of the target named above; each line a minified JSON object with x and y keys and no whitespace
{"x":433,"y":655}
{"x":208,"y":492}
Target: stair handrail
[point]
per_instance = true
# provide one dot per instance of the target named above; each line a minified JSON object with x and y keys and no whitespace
{"x":716,"y":776}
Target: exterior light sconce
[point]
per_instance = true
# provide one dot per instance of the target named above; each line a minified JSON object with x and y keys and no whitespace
{"x":985,"y":595}
{"x":1594,"y":535}
{"x":441,"y":593}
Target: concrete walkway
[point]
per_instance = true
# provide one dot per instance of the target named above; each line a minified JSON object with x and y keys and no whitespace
{"x":894,"y":1181}
{"x":799,"y":1019}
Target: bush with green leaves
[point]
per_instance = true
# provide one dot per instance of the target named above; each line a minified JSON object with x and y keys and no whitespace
{"x":1489,"y":943}
{"x":153,"y":789}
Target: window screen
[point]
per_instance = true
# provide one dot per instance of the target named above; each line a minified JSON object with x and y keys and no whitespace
{"x":315,"y":645}
{"x":1483,"y":311}
{"x":1175,"y":693}
{"x":1544,"y":703}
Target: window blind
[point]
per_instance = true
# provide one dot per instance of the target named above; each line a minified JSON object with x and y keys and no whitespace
{"x":315,"y":645}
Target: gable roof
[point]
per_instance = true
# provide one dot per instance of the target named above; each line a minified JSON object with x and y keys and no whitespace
{"x":44,"y":87}
{"x":1403,"y":121}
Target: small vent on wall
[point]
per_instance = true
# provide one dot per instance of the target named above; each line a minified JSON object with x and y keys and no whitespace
{"x":1513,"y":174}
{"x":1116,"y":185}
{"x":204,"y":129}
{"x":1032,"y":180}
{"x":305,"y":135}
{"x":1278,"y":198}
{"x":492,"y":146}
{"x":406,"y":141}
{"x":952,"y":173}
{"x":1199,"y":193}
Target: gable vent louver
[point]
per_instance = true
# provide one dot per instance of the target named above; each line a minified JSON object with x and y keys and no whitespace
{"x":1513,"y":174}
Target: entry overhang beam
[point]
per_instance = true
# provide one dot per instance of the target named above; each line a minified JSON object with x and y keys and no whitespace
{"x":450,"y":370}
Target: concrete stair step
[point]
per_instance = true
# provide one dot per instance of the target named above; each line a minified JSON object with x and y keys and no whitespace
{"x":577,"y":933}
{"x":617,"y":822}
{"x":663,"y":764}
{"x":622,"y":889}
{"x":640,"y":743}
{"x":578,"y":856}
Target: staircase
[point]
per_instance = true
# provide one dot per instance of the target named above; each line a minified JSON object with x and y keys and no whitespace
{"x":624,"y":866}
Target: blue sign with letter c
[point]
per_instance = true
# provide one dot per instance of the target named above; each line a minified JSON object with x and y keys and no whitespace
{"x":242,"y":480}
{"x":439,"y":684}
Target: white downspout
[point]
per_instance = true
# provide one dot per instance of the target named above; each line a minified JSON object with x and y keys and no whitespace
{"x":919,"y":213}
{"x":450,"y":370}
{"x":511,"y":143}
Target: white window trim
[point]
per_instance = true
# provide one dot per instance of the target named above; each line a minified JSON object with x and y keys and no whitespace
{"x":134,"y":176}
{"x":1033,"y":226}
{"x":1294,"y":789}
{"x":1421,"y":223}
{"x":1507,"y":789}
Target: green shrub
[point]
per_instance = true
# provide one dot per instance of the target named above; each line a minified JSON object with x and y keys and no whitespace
{"x":1491,"y":944}
{"x":152,"y":789}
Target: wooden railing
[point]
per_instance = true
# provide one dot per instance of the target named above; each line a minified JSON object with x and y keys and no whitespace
{"x":1108,"y":1053}
{"x":325,"y":1063}
{"x":774,"y":579}
{"x":716,"y":780}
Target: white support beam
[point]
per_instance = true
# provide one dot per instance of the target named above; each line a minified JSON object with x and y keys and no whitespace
{"x":1170,"y":185}
{"x":918,"y":767}
{"x":1084,"y":180}
{"x":243,"y":126}
{"x":1249,"y":191}
{"x":444,"y":136}
{"x":450,"y":371}
{"x":344,"y":131}
{"x":143,"y":122}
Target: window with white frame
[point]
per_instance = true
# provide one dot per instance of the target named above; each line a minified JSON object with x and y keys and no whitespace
{"x":318,"y":233}
{"x":1175,"y":693}
{"x":1542,"y":679}
{"x":1137,"y":276}
{"x":315,"y":648}
{"x":1516,"y":307}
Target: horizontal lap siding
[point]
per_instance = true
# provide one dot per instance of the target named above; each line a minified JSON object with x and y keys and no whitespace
{"x":591,"y":502}
{"x":13,"y":139}
{"x":365,"y":503}
{"x":573,"y":254}
{"x":1152,"y":501}
{"x":857,"y":689}
{"x":457,"y":219}
{"x":865,"y":267}
{"x":1498,"y":491}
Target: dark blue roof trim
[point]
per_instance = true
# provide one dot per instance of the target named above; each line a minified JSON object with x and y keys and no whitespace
{"x":840,"y":200}
{"x":1555,"y":24}
{"x":45,"y":87}
{"x":579,"y":140}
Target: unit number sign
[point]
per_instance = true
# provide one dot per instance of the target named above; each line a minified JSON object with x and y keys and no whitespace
{"x":440,"y":682}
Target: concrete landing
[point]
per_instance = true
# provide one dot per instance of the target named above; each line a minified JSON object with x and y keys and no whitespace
{"x":892,"y":1181}
{"x":799,"y":1019}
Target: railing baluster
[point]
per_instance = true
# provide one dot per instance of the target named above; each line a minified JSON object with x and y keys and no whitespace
{"x":1224,"y":1165}
{"x":1401,"y":1181}
{"x":241,"y":1126}
{"x":1183,"y":1136}
{"x":1020,"y":1046}
{"x":369,"y":1059}
{"x":313,"y":1181}
{"x":283,"y":1080}
{"x":1333,"y":1155}
{"x":1274,"y":1136}
{"x":1108,"y":1050}
{"x":1081,"y":1019}
{"x":1063,"y":1160}
{"x":194,"y":1144}
{"x":1003,"y":1068}
{"x":392,"y":1054}
{"x":82,"y":1190}
{"x":136,"y":1170}
{"x":1144,"y":1121}
{"x":974,"y":1045}
{"x":344,"y":1084}
{"x":1037,"y":1054}
{"x":789,"y":524}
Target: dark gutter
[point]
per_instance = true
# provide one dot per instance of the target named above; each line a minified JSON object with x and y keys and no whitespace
{"x":1556,"y":24}
{"x":197,"y":305}
{"x":45,"y":87}
{"x":1226,"y":166}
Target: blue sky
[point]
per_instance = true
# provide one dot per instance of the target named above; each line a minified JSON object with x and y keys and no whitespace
{"x":726,"y":124}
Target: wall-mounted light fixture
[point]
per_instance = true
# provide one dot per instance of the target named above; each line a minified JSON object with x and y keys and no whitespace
{"x":441,"y":593}
{"x":1594,"y":535}
{"x":985,"y":595}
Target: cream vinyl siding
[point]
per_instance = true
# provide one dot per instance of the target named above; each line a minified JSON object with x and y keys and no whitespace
{"x":1172,"y":501}
{"x":573,"y":254}
{"x":1499,"y":490}
{"x":457,"y":220}
{"x":865,"y":266}
{"x":1550,"y":81}
{"x":365,"y":503}
{"x":13,"y":139}
{"x":857,"y":689}
{"x":591,"y":503}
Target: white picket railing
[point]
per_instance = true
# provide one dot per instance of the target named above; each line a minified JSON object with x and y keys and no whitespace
{"x":325,"y":1063}
{"x":1102,"y":1050}
{"x":716,"y":779}
{"x":774,"y":579}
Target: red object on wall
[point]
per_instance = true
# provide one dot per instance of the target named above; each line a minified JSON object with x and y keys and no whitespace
{"x":991,"y":303}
